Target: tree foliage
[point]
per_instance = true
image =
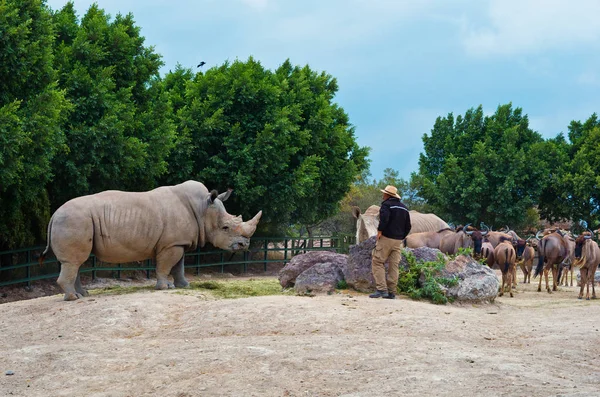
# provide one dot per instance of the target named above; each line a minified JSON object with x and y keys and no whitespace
{"x":32,"y":109}
{"x":483,"y":168}
{"x":119,"y":133}
{"x":274,"y":136}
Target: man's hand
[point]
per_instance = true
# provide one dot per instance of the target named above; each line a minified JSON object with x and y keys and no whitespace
{"x":378,"y":234}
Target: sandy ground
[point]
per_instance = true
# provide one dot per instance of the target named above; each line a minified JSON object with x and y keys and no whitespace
{"x":164,"y":343}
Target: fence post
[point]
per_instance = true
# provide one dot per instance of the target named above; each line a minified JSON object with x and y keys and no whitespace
{"x":266,"y":253}
{"x":94,"y":267}
{"x":28,"y":270}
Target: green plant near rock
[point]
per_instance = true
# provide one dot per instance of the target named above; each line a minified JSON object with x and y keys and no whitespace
{"x":422,"y":280}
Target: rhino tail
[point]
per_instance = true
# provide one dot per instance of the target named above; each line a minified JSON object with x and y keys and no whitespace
{"x":48,"y":248}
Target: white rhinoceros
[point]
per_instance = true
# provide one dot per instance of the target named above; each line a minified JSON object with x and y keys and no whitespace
{"x":367,"y":223}
{"x":161,"y":224}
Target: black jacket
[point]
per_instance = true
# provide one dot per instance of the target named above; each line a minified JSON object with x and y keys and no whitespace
{"x":394,"y":219}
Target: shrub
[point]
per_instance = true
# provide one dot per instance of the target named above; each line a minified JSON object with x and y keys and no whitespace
{"x":431,"y":287}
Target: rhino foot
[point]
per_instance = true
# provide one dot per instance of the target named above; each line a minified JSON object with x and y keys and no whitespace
{"x":164,"y":285}
{"x":181,"y":284}
{"x":73,"y":296}
{"x":83,"y":292}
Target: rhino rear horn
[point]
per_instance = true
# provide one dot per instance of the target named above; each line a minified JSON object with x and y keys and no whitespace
{"x":225,"y":195}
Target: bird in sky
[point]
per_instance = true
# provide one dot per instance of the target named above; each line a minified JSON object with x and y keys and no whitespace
{"x":201,"y":64}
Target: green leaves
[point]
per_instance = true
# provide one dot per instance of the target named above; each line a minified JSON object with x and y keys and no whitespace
{"x":274,"y":136}
{"x":481,"y":168}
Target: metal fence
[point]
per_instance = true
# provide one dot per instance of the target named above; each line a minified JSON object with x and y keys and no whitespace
{"x":21,"y":266}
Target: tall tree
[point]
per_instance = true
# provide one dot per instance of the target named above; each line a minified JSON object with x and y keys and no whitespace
{"x":581,"y":181}
{"x":119,"y":133}
{"x":31,"y":111}
{"x":276,"y":137}
{"x":479,"y":168}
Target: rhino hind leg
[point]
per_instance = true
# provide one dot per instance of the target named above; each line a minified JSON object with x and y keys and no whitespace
{"x":69,"y":275}
{"x":178,"y":273}
{"x":79,"y":288}
{"x":165,"y":261}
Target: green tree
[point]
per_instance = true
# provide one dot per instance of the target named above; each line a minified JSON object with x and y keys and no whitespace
{"x":119,"y":134}
{"x":276,"y":137}
{"x":581,"y":181}
{"x":478,"y":168}
{"x":32,"y":109}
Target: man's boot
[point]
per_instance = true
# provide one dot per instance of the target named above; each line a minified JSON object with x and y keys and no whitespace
{"x":379,"y":294}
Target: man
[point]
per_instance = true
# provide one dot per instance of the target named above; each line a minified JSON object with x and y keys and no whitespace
{"x":394,"y":226}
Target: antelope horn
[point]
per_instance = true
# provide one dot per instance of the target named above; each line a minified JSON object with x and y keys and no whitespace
{"x":487,"y":230}
{"x":590,"y":236}
{"x":537,"y":235}
{"x":465,"y":229}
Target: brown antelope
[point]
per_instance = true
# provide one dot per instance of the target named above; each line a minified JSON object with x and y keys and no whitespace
{"x":426,"y":239}
{"x":567,"y":265}
{"x":552,"y":251}
{"x":487,"y":252}
{"x":587,"y":258}
{"x":505,"y":257}
{"x":527,"y":259}
{"x":451,"y":242}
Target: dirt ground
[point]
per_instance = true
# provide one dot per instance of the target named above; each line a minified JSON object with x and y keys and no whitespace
{"x":165,"y":343}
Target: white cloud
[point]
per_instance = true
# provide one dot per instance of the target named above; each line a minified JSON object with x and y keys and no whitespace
{"x":533,"y":26}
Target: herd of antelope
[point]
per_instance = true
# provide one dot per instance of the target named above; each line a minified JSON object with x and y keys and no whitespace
{"x":550,"y":250}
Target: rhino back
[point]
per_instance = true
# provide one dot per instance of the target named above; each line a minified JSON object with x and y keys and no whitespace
{"x":125,"y":226}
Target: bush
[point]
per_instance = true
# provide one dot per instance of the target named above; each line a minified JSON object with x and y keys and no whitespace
{"x":411,"y":283}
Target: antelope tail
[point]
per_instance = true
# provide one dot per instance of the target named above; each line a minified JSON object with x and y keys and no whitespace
{"x":540,"y":265}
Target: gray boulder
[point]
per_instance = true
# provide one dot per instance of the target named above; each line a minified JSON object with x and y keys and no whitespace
{"x":358,"y":273}
{"x":476,"y":283}
{"x":303,"y":262}
{"x":320,"y":278}
{"x":596,"y":278}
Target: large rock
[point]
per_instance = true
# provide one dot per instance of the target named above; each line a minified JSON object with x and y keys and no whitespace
{"x":596,"y":278}
{"x":358,"y":273}
{"x":303,"y":262}
{"x":321,"y":278}
{"x":476,"y":283}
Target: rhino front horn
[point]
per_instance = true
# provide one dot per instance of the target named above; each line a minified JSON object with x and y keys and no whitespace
{"x":250,"y":227}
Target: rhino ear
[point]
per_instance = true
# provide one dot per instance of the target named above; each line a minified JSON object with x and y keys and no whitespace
{"x":356,"y":212}
{"x":225,"y":196}
{"x":213,"y":196}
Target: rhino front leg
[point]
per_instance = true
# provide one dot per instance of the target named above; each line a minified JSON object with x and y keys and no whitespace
{"x":69,"y":274}
{"x":178,"y":273}
{"x":165,"y":261}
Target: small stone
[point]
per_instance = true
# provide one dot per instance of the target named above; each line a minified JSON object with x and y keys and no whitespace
{"x":9,"y":373}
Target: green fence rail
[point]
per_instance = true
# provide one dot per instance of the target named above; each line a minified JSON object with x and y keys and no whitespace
{"x":21,"y":266}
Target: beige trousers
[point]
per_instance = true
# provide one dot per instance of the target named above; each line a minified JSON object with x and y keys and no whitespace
{"x":386,"y":249}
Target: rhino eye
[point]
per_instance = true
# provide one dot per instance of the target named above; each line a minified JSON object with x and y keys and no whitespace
{"x":225,"y":227}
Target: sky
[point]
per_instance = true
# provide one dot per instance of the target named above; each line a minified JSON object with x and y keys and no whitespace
{"x":399,"y":64}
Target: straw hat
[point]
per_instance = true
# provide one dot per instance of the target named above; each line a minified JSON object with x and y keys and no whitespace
{"x":391,"y":191}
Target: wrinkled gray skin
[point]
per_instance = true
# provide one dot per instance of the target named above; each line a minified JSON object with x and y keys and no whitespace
{"x":161,"y":224}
